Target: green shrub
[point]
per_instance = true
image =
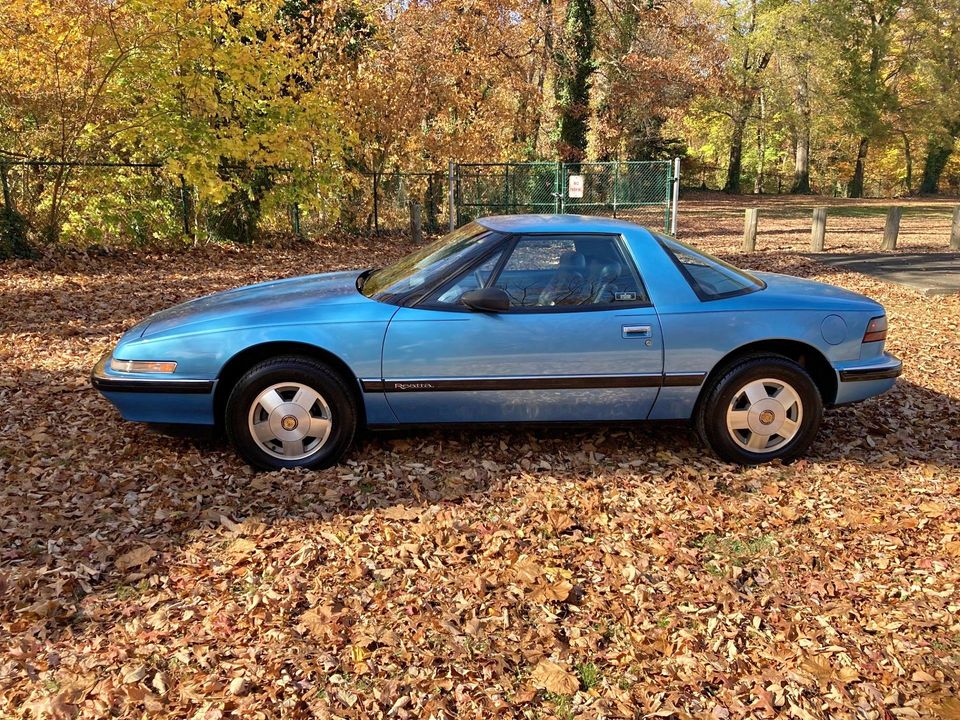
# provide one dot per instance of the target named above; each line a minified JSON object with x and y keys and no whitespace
{"x":237,"y":219}
{"x":13,"y":235}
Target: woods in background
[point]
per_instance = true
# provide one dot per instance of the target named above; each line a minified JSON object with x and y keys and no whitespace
{"x":251,"y":105}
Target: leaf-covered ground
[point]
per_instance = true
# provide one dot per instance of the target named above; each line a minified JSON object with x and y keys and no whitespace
{"x":605,"y":572}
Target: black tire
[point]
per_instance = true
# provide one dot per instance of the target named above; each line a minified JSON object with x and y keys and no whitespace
{"x":333,"y":391}
{"x":712,"y":413}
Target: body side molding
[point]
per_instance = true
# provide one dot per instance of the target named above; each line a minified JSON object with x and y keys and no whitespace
{"x":547,"y":382}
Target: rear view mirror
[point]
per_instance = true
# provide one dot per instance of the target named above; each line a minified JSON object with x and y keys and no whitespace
{"x":490,"y":299}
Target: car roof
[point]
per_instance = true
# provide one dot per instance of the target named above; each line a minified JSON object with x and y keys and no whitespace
{"x":557,"y":223}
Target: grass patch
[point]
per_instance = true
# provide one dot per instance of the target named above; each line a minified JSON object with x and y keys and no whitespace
{"x":561,"y":705}
{"x":129,"y":592}
{"x":733,"y":551}
{"x":589,"y":675}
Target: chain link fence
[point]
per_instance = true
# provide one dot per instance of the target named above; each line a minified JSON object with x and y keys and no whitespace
{"x":505,"y":189}
{"x":96,"y":202}
{"x":639,"y":191}
{"x":115,"y":203}
{"x":394,"y":192}
{"x":140,"y":204}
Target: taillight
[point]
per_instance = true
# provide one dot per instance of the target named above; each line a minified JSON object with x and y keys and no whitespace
{"x":876,"y":330}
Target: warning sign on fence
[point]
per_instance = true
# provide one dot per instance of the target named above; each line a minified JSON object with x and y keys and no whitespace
{"x":575,"y":186}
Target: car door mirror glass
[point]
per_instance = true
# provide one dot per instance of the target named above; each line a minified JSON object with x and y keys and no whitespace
{"x":486,"y":300}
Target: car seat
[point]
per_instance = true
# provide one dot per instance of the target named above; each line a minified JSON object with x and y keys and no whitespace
{"x":567,"y":286}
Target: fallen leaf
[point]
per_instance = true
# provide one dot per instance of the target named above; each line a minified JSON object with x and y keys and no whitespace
{"x":550,"y":676}
{"x":241,"y":546}
{"x":134,"y":558}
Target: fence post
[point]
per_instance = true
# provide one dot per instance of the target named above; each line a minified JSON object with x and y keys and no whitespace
{"x":416,"y":229}
{"x":616,"y":185}
{"x":376,"y":202}
{"x":750,"y":230}
{"x":676,"y":196}
{"x":819,"y":230}
{"x":186,"y":201}
{"x":955,"y":230}
{"x":295,"y":219}
{"x":561,"y":190}
{"x":7,"y":199}
{"x":452,"y":195}
{"x":892,"y":228}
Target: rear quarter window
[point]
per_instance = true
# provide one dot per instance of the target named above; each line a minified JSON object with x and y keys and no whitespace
{"x":709,"y":277}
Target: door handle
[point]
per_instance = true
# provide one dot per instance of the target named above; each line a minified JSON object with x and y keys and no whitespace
{"x":636,"y":331}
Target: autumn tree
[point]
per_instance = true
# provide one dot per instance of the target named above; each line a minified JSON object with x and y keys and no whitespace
{"x":798,"y":50}
{"x":863,"y":32}
{"x":750,"y":46}
{"x":241,"y":102}
{"x":652,"y":61}
{"x":575,"y":66}
{"x":940,"y":77}
{"x":59,"y":63}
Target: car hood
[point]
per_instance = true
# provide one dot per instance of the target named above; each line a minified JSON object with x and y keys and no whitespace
{"x":258,"y":304}
{"x":795,"y":292}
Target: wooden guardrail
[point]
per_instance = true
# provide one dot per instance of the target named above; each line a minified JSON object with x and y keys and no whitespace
{"x":818,"y":232}
{"x":818,"y":229}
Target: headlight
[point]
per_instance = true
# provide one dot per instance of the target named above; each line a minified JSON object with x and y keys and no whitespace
{"x":142,"y":366}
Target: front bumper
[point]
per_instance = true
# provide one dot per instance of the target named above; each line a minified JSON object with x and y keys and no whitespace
{"x":105,"y":381}
{"x":183,"y":401}
{"x":861,"y":380}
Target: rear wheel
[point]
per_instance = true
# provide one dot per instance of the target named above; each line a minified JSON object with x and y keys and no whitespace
{"x":760,"y":409}
{"x":291,"y":412}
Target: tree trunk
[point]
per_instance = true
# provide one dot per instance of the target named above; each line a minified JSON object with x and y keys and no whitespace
{"x":801,"y":172}
{"x":908,"y":158}
{"x":735,"y":164}
{"x":939,"y":150}
{"x":855,"y":189}
{"x":761,"y":150}
{"x":546,"y":58}
{"x":574,"y":69}
{"x":51,"y":232}
{"x":530,"y":108}
{"x":4,"y":181}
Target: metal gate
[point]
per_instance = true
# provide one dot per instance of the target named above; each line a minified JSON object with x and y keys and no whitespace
{"x":642,"y":191}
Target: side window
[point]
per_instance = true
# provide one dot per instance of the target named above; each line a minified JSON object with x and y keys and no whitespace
{"x":543,"y":271}
{"x":710,"y":277}
{"x":473,"y":279}
{"x":569,"y":271}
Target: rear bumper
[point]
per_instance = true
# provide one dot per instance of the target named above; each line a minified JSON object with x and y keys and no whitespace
{"x":887,"y":368}
{"x":859,"y":381}
{"x":156,"y":400}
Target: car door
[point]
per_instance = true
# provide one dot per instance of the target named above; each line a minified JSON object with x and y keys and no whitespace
{"x":580,"y":341}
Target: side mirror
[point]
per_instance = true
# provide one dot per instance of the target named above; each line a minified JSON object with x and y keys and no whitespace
{"x":489,"y":299}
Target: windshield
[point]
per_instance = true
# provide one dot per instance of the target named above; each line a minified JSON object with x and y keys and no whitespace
{"x":428,"y":263}
{"x":711,"y":278}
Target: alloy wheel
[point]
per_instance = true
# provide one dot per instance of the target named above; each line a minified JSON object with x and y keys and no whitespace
{"x":764,"y":415}
{"x":290,"y":421}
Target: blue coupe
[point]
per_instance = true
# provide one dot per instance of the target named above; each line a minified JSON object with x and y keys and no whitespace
{"x":524,"y":318}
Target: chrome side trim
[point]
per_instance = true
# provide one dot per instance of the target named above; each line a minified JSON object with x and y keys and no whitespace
{"x":684,"y":379}
{"x":542,"y":382}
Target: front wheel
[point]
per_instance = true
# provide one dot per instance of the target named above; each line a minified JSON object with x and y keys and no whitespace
{"x":761,"y":409}
{"x":291,"y":412}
